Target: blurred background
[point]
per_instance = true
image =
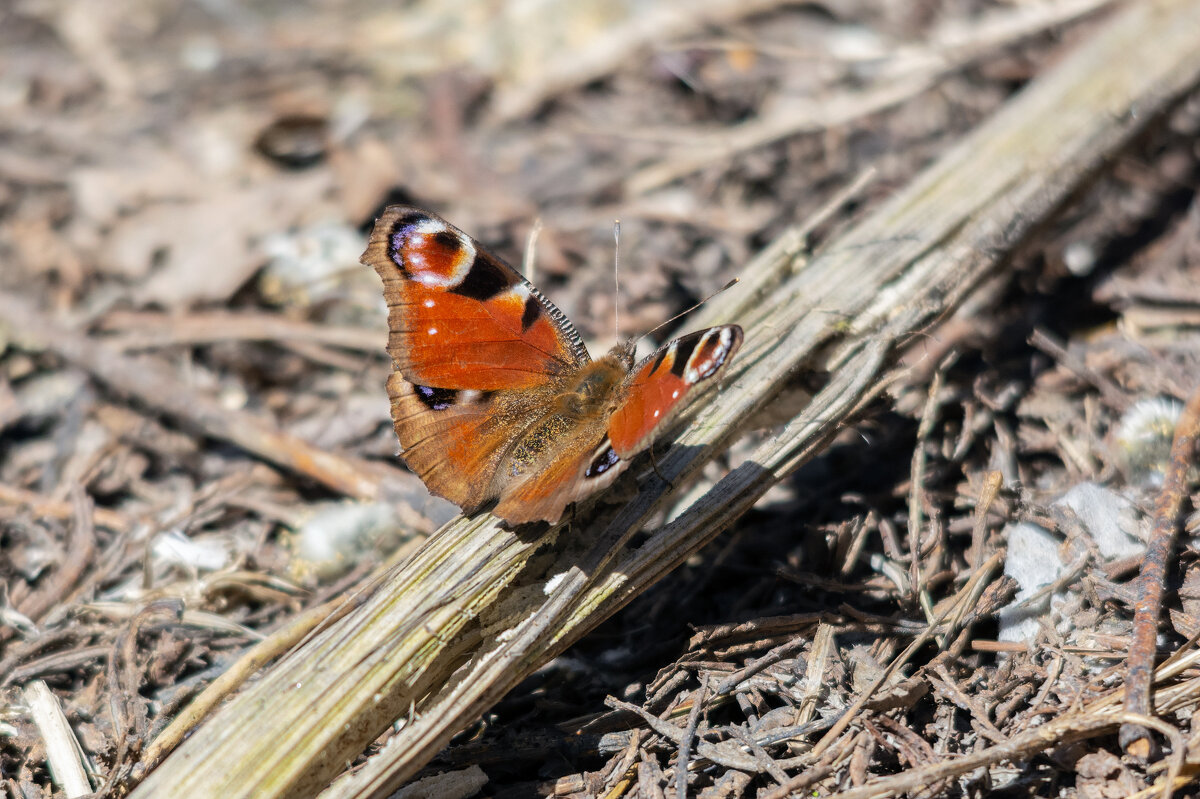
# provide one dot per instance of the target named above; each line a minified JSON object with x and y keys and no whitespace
{"x":174,"y":154}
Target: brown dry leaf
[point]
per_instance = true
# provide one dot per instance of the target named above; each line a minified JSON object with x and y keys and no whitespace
{"x":186,"y":224}
{"x":1102,"y":775}
{"x":208,"y":247}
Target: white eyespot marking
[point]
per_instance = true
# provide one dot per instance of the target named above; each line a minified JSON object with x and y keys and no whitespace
{"x":429,"y":226}
{"x":432,"y":331}
{"x":469,"y":396}
{"x":656,"y":413}
{"x":675,"y":394}
{"x":429,"y":303}
{"x":603,"y":459}
{"x":517,"y":293}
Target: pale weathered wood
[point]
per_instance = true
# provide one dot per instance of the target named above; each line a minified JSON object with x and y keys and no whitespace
{"x":478,"y":608}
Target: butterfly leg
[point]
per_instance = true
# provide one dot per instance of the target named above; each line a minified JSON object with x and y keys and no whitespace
{"x":661,"y":476}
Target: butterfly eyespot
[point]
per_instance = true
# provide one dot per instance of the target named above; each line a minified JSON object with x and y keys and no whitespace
{"x":604,"y":460}
{"x":427,"y":252}
{"x":428,"y":226}
{"x":436,"y":399}
{"x":429,"y":303}
{"x":706,"y":356}
{"x":432,"y":331}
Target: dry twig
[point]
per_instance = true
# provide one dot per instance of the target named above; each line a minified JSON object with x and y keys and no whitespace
{"x":685,"y":743}
{"x":1168,"y":510}
{"x":948,"y":51}
{"x":157,"y":387}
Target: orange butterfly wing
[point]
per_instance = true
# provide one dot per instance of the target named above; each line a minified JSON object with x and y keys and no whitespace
{"x":476,"y":348}
{"x":453,"y":440}
{"x":659,"y":386}
{"x":458,"y":316}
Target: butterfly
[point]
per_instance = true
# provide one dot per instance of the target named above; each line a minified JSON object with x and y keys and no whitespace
{"x":494,"y":396}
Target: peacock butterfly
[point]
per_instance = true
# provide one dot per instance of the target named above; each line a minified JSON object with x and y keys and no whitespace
{"x":494,"y":396}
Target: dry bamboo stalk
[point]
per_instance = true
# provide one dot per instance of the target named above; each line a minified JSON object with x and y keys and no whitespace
{"x":474,"y":612}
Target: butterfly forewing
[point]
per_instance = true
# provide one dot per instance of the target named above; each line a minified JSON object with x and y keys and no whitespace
{"x":458,"y":316}
{"x":659,"y":386}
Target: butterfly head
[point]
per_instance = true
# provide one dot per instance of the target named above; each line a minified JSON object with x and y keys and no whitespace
{"x":624,"y":354}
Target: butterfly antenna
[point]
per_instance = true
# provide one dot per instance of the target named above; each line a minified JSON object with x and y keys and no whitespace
{"x":617,"y":278}
{"x":528,"y":263}
{"x":661,"y":325}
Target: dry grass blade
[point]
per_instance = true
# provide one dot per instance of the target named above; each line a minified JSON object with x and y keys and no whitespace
{"x":57,"y":509}
{"x":472,"y":613}
{"x":644,"y":28}
{"x":155,"y":330}
{"x":63,"y":752}
{"x":947,"y":51}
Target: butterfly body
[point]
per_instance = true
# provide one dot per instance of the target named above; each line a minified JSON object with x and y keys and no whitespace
{"x":494,"y":396}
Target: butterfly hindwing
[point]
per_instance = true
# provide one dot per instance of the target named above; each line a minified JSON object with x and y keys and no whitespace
{"x":455,"y":440}
{"x":459,"y":317}
{"x":567,"y":477}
